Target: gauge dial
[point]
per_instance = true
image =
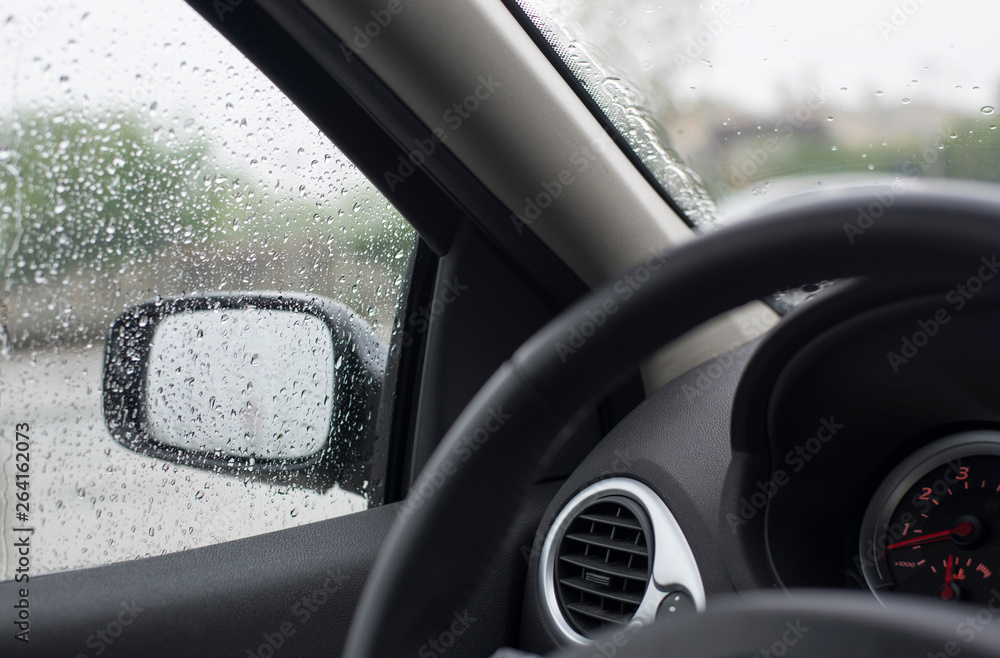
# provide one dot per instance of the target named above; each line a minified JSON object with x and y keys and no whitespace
{"x":933,"y":527}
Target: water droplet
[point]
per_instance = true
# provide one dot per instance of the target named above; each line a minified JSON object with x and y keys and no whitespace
{"x":987,"y":109}
{"x":906,"y":101}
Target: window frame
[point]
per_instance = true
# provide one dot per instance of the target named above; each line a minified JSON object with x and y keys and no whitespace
{"x":372,"y":127}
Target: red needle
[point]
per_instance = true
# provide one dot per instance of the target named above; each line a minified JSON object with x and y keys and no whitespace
{"x":963,"y":529}
{"x":948,"y":593}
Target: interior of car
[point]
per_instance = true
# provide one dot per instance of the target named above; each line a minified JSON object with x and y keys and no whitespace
{"x":500,"y":328}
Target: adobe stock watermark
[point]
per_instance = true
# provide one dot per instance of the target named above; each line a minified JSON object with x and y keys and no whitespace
{"x":971,"y":626}
{"x":927,"y":328}
{"x":420,"y":319}
{"x":20,"y":31}
{"x":623,"y":290}
{"x":608,"y":647}
{"x":923,"y":501}
{"x":445,"y":640}
{"x":899,"y":17}
{"x":621,"y":464}
{"x":696,"y":45}
{"x":223,"y":7}
{"x":453,"y":117}
{"x":103,"y":638}
{"x":579,"y":161}
{"x":885,"y":199}
{"x":427,"y":485}
{"x":785,"y":127}
{"x":302,"y":610}
{"x":708,"y":375}
{"x":362,"y":35}
{"x":794,"y":631}
{"x":795,"y":459}
{"x":224,"y":520}
{"x":146,"y":82}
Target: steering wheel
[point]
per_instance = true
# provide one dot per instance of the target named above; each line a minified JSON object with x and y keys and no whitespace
{"x":465,"y":499}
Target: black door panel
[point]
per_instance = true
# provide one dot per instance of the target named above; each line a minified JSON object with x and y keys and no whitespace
{"x":288,"y":593}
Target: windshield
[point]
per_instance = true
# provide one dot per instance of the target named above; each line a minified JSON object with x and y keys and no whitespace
{"x":730,"y":103}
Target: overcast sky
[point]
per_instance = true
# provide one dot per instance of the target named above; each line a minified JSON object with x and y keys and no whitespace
{"x":769,"y":46}
{"x":766,"y":58}
{"x":121,"y":54}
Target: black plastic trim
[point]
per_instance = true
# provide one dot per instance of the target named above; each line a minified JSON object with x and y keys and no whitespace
{"x":406,"y":361}
{"x":228,"y":599}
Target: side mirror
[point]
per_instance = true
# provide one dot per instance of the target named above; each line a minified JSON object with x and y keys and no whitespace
{"x":286,"y":386}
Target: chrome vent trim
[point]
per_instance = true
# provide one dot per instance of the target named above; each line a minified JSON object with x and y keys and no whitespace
{"x":670,"y":565}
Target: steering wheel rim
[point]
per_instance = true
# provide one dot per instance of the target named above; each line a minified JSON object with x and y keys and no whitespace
{"x":465,"y":499}
{"x":813,"y":623}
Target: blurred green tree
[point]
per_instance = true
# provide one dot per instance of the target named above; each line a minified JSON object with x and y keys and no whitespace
{"x":78,"y":190}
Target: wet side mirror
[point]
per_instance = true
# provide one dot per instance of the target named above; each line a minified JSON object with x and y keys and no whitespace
{"x":282,"y":385}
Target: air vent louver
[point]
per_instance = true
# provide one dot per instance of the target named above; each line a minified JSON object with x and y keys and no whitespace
{"x":603,"y":565}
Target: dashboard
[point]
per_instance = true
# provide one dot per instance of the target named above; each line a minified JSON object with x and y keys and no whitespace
{"x":856,"y":446}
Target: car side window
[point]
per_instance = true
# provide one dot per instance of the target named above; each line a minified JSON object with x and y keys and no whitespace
{"x":147,"y":170}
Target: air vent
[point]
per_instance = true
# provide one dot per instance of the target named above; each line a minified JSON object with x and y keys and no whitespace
{"x":612,"y":555}
{"x":603,"y":565}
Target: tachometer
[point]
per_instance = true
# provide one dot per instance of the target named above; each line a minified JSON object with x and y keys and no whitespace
{"x":932,"y":526}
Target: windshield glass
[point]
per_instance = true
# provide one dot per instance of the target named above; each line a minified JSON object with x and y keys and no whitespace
{"x":730,"y":103}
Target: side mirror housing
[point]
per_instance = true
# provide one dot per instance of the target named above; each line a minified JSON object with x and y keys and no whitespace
{"x":283,"y":386}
